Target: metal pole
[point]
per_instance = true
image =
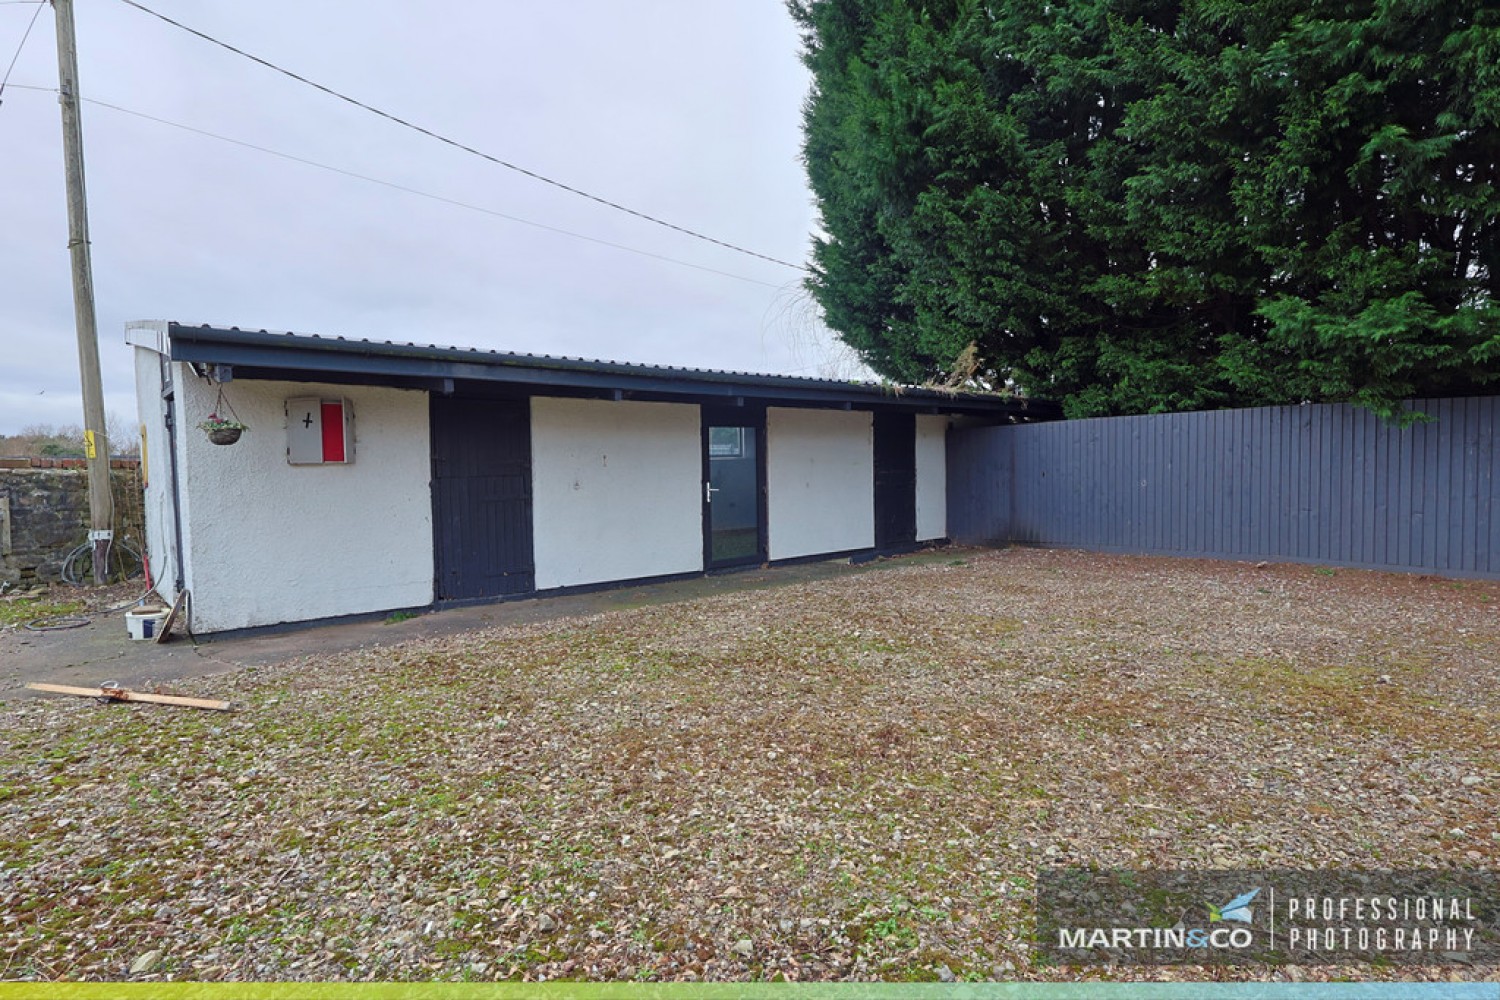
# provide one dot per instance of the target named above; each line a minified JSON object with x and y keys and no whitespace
{"x":96,"y":443}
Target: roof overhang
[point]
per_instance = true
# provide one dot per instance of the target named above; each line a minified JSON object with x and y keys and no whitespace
{"x":260,"y":354}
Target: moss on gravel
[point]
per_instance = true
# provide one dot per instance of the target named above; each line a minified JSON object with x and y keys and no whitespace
{"x":860,"y":777}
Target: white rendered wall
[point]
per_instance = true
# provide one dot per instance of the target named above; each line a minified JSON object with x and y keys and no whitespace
{"x":160,"y":542}
{"x":820,"y":481}
{"x":617,"y":490}
{"x":932,"y":477}
{"x":269,"y":542}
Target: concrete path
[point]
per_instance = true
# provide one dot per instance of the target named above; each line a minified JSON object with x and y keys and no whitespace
{"x":101,"y":652}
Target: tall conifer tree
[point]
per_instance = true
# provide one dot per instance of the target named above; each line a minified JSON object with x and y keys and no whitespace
{"x":1148,"y":206}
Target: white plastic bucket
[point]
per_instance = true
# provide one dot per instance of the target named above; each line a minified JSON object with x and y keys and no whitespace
{"x":144,"y":623}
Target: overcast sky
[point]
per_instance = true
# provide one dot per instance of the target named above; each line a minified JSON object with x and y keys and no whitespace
{"x":689,"y":110}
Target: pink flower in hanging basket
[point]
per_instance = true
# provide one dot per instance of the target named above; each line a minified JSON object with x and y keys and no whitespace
{"x":218,"y":423}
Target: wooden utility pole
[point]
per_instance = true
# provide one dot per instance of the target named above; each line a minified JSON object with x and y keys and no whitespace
{"x":96,"y":442}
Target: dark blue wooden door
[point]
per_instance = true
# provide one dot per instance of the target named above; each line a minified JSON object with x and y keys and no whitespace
{"x":895,"y":479}
{"x":481,"y":497}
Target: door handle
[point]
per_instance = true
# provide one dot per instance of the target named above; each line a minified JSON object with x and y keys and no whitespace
{"x":709,"y":489}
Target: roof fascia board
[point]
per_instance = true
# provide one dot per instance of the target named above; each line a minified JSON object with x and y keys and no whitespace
{"x":148,"y":333}
{"x":332,"y":357}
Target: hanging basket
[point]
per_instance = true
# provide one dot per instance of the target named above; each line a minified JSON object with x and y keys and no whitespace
{"x":223,"y":430}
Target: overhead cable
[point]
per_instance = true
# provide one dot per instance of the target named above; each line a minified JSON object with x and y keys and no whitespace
{"x":29,"y":25}
{"x":392,"y":185}
{"x":460,"y":145}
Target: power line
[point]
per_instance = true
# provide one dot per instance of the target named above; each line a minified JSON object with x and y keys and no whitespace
{"x":459,"y":145}
{"x":29,"y":25}
{"x":426,"y":194}
{"x":404,"y":188}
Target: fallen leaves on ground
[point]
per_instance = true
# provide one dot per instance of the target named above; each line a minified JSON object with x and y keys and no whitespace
{"x":855,"y":778}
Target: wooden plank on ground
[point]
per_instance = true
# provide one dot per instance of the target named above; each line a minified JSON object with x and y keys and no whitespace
{"x":171,"y":619}
{"x":124,"y":694}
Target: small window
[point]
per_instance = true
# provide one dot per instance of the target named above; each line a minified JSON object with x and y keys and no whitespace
{"x":319,"y":431}
{"x":726,"y":442}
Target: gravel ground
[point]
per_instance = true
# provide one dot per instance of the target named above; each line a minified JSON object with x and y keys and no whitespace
{"x":848,"y":779}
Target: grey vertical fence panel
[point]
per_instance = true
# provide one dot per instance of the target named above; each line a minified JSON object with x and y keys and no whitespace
{"x":1326,"y":484}
{"x":979,"y":484}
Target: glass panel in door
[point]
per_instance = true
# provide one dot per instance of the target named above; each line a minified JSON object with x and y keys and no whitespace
{"x":733,"y":494}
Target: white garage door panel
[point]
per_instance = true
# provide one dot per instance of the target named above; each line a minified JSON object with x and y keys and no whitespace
{"x":820,"y":477}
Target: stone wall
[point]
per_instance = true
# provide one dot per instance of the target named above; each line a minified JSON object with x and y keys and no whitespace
{"x":44,"y":514}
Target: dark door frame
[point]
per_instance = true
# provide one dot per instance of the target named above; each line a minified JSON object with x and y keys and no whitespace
{"x":895,"y":459}
{"x":752,"y":417}
{"x":447,"y":422}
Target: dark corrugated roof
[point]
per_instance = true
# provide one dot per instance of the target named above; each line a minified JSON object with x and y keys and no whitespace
{"x":310,"y":353}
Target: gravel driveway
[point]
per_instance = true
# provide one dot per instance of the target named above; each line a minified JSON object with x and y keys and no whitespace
{"x":853,"y":778}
